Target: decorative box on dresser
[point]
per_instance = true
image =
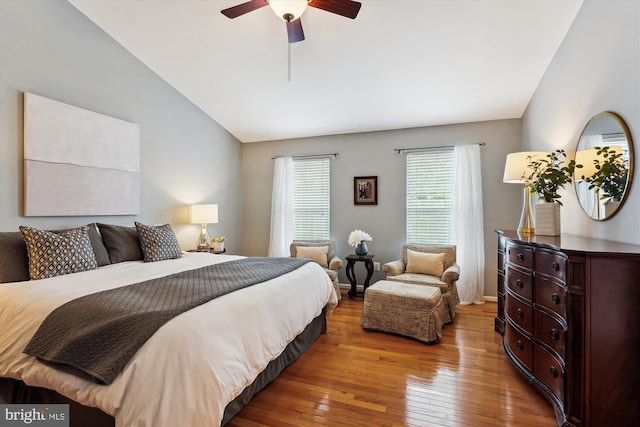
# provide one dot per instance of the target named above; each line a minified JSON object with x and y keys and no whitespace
{"x":569,"y":313}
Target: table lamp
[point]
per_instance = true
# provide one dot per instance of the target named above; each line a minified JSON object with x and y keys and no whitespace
{"x":515,"y":172}
{"x":203,"y":214}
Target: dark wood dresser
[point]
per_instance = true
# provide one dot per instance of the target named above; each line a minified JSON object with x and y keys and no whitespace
{"x":569,"y":313}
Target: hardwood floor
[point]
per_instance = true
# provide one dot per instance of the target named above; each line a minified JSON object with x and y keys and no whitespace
{"x":351,"y":377}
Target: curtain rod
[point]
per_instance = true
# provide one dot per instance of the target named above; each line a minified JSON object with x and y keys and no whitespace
{"x":412,"y":150}
{"x":311,"y":156}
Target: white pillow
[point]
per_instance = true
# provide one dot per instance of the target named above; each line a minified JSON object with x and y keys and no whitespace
{"x":425,"y":263}
{"x":314,"y":253}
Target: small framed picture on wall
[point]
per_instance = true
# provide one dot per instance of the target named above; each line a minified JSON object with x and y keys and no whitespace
{"x":365,"y":190}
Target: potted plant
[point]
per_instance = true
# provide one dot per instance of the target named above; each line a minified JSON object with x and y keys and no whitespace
{"x":610,"y":176}
{"x":546,"y":176}
{"x":217,"y":243}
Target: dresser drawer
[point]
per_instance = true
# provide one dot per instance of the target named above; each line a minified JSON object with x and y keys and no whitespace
{"x":520,"y":255}
{"x":520,"y":346}
{"x":551,"y":264}
{"x":551,"y":295}
{"x":549,"y":370}
{"x":520,"y":283}
{"x":550,"y":331}
{"x":520,"y":313}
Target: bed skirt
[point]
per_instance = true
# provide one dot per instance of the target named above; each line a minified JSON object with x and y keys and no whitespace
{"x":15,"y":391}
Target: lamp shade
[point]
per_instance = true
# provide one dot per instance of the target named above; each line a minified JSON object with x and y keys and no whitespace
{"x":203,"y":214}
{"x":515,"y":168}
{"x":288,"y":7}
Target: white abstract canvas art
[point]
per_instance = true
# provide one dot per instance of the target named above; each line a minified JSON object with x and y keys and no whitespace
{"x":78,"y":162}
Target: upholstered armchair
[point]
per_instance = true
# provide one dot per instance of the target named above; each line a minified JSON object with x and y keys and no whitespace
{"x":430,"y":265}
{"x":324,"y":253}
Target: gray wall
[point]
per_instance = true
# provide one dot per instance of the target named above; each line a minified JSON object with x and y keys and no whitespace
{"x":597,"y":68}
{"x":373,"y":153}
{"x":49,"y":48}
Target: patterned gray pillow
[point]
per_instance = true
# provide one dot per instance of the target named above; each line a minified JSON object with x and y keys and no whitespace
{"x":55,"y":254}
{"x":158,"y":242}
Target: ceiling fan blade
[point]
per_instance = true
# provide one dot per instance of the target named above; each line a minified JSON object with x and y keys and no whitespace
{"x":241,"y":9}
{"x":345,"y":8}
{"x":294,"y":31}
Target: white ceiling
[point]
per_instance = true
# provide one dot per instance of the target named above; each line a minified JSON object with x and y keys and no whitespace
{"x":399,"y":64}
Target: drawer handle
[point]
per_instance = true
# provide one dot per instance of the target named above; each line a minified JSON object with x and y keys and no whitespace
{"x":555,"y":266}
{"x":519,"y":284}
{"x":555,"y":298}
{"x":555,"y":335}
{"x":553,"y":371}
{"x":520,"y":257}
{"x":519,"y":345}
{"x":520,"y":313}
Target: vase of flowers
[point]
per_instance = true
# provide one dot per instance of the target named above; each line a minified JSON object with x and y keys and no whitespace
{"x":358,"y":239}
{"x":546,"y":176}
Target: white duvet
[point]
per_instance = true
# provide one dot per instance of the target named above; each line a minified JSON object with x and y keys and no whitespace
{"x":194,"y":365}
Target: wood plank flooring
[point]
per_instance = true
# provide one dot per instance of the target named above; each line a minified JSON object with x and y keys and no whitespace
{"x":351,"y":377}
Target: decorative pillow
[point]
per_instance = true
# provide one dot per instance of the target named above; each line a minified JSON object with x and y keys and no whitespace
{"x":316,"y":253}
{"x":425,"y":263}
{"x":122,"y":243}
{"x":99,"y":250}
{"x":158,"y":242}
{"x":14,"y":260}
{"x":55,"y":254}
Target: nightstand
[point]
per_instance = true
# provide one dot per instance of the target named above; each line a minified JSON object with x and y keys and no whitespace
{"x":211,"y":251}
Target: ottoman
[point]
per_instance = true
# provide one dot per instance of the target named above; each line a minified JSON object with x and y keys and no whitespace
{"x":415,"y":311}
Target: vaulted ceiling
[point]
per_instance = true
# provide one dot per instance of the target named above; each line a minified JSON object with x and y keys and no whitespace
{"x":399,"y":64}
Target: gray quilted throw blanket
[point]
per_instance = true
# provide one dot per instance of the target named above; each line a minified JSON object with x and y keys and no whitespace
{"x":96,"y":335}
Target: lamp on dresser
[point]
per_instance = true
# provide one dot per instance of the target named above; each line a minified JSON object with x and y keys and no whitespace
{"x":515,"y":172}
{"x":203,"y":214}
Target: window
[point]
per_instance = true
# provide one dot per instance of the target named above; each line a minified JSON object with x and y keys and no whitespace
{"x":430,"y":196}
{"x":311,"y":199}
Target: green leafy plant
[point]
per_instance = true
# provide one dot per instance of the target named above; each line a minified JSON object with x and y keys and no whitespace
{"x":610,"y":178}
{"x":550,"y":174}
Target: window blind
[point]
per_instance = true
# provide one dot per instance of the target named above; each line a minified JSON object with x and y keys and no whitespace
{"x":429,"y":190}
{"x":311,"y":199}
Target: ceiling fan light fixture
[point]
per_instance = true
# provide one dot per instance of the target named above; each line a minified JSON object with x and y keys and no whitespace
{"x":288,"y":10}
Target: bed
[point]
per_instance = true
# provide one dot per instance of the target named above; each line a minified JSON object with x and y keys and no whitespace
{"x":198,"y":369}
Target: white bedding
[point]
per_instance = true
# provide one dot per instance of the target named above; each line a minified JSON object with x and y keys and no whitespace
{"x":194,"y":365}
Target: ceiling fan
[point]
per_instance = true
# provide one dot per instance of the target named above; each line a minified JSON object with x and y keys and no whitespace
{"x":292,"y":10}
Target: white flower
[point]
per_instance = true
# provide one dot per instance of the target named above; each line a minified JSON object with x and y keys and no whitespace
{"x":358,"y":236}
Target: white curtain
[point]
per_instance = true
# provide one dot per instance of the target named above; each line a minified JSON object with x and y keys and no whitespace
{"x":468,"y":223}
{"x":281,"y":208}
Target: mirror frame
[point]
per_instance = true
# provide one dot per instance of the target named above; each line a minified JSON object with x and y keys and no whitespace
{"x":623,"y":126}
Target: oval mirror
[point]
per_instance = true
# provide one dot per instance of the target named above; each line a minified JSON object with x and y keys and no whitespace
{"x":605,"y":150}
